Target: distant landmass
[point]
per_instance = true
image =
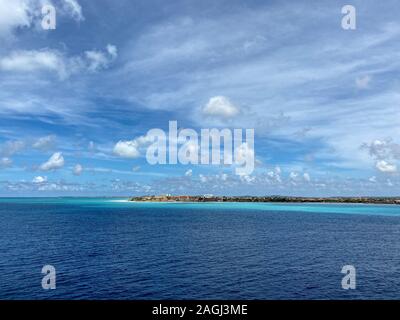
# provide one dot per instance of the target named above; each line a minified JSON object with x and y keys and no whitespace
{"x":211,"y":198}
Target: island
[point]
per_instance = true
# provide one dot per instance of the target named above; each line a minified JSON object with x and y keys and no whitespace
{"x":281,"y":199}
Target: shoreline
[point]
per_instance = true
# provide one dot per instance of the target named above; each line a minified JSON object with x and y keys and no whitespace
{"x":260,"y":203}
{"x":269,"y":199}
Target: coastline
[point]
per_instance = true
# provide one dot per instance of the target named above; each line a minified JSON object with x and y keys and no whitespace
{"x":267,"y":199}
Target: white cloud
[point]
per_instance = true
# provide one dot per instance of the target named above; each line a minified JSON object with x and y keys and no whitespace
{"x":127,"y":149}
{"x":221,"y":107}
{"x":12,"y":147}
{"x":14,"y":14}
{"x":112,"y":50}
{"x":44,"y":143}
{"x":372,"y":179}
{"x":31,"y":61}
{"x":5,"y":162}
{"x":247,"y":178}
{"x":98,"y":60}
{"x":385,"y":153}
{"x":386,"y":167}
{"x":363,"y":82}
{"x":275,"y":175}
{"x":74,"y":9}
{"x":189,"y":173}
{"x":293,"y":175}
{"x":56,"y":161}
{"x":39,"y":180}
{"x":78,"y":169}
{"x":376,"y":148}
{"x":383,"y":149}
{"x":131,"y":149}
{"x":306,"y":177}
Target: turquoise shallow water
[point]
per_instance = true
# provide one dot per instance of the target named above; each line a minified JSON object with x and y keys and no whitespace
{"x":367,"y":209}
{"x":339,"y":208}
{"x":360,"y":209}
{"x":108,"y":248}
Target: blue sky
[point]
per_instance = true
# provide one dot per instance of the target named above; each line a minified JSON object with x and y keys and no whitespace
{"x":323,"y":101}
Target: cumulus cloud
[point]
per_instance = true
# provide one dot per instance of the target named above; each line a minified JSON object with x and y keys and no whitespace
{"x":39,"y":180}
{"x":247,"y":178}
{"x":275,"y":175}
{"x":131,"y":149}
{"x":306,"y":177}
{"x":293,"y":175}
{"x":294,"y":178}
{"x":383,"y":149}
{"x":386,"y":167}
{"x":127,"y":149}
{"x":98,"y":60}
{"x":220,"y":107}
{"x":112,"y":50}
{"x":55,"y":162}
{"x":189,"y":173}
{"x":385,"y":152}
{"x":44,"y":143}
{"x":78,"y":169}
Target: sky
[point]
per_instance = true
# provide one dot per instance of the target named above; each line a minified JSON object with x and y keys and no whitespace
{"x":77,"y":101}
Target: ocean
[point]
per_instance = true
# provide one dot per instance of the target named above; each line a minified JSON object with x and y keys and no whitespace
{"x":113,"y":249}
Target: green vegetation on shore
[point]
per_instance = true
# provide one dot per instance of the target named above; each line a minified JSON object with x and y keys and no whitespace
{"x":211,"y":198}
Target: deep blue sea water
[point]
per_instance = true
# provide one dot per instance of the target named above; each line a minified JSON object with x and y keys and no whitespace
{"x":105,"y":249}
